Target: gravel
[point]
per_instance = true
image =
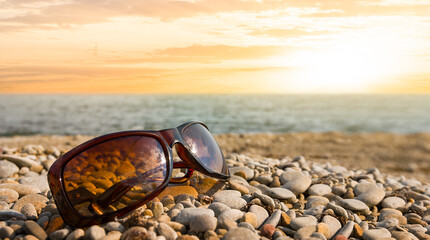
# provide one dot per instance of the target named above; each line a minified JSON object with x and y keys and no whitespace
{"x":265,"y":199}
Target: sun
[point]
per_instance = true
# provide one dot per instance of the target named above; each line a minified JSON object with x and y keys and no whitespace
{"x":352,"y":67}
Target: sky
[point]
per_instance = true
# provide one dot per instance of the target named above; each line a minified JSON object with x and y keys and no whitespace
{"x":215,"y":46}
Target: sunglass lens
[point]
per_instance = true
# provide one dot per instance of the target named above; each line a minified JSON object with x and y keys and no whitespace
{"x":203,"y":145}
{"x":114,"y":174}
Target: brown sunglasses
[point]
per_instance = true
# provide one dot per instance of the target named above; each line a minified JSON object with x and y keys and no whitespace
{"x":111,"y":175}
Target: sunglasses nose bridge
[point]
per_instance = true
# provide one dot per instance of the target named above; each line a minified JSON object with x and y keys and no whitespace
{"x":172,"y":136}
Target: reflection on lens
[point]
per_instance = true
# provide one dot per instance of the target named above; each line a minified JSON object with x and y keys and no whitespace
{"x":204,"y":147}
{"x":114,"y":174}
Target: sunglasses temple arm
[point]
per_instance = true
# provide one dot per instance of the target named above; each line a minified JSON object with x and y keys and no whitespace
{"x":186,"y":176}
{"x":119,"y":189}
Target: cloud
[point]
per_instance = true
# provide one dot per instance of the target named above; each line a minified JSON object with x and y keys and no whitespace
{"x":75,"y":79}
{"x":287,"y":33}
{"x":83,"y":11}
{"x":75,"y":12}
{"x":206,"y":54}
{"x":409,"y":83}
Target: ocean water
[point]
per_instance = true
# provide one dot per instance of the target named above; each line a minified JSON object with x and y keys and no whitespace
{"x":100,"y":114}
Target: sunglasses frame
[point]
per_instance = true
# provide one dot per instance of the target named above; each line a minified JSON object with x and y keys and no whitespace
{"x":168,"y":138}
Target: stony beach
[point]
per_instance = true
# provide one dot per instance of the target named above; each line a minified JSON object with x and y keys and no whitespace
{"x":288,"y":186}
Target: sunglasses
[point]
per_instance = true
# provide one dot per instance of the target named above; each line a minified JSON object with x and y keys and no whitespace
{"x":112,"y":175}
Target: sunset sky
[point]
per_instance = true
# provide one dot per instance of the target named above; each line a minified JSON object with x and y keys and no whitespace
{"x":215,"y":46}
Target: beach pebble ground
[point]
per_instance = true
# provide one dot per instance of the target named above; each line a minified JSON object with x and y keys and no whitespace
{"x":265,"y":198}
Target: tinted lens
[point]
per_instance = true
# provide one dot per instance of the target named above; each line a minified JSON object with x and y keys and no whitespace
{"x":114,"y":174}
{"x":203,"y":145}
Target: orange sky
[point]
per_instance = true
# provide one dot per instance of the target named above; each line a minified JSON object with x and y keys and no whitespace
{"x":215,"y":46}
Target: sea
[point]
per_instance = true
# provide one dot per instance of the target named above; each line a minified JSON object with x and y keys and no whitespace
{"x":99,"y":114}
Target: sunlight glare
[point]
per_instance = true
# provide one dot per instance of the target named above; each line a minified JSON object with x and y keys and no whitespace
{"x":352,"y":67}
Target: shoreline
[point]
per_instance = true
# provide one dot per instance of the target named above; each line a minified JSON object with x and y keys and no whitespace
{"x":394,"y":154}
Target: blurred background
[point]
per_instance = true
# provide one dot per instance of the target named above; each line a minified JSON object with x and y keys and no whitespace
{"x":241,"y":66}
{"x":340,"y":81}
{"x":250,"y":113}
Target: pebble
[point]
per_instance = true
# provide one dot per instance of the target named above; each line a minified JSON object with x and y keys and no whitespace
{"x":177,"y":190}
{"x":369,"y":193}
{"x":346,"y":230}
{"x":186,"y":215}
{"x":168,"y":201}
{"x":285,"y":219}
{"x":113,"y":226}
{"x":40,"y":182}
{"x":8,"y":195}
{"x":94,"y":232}
{"x":388,"y":223}
{"x":77,"y":234}
{"x":55,"y":223}
{"x":315,"y":211}
{"x":281,"y":194}
{"x":240,"y":233}
{"x":7,"y":232}
{"x":333,"y":225}
{"x":43,"y":221}
{"x":319,"y":190}
{"x":239,"y":187}
{"x":29,"y":211}
{"x":7,"y":169}
{"x":267,"y":230}
{"x":218,"y":208}
{"x":295,"y":181}
{"x":114,"y":235}
{"x":363,"y":225}
{"x":313,"y":201}
{"x":260,"y":212}
{"x":274,"y":218}
{"x":157,"y":209}
{"x":229,"y":216}
{"x":337,"y":169}
{"x":7,"y":214}
{"x":275,"y":183}
{"x":340,"y":237}
{"x":264,"y":179}
{"x":266,"y":200}
{"x":203,"y":223}
{"x":388,"y":213}
{"x":134,"y":233}
{"x":393,"y":202}
{"x":248,"y":172}
{"x":324,"y":229}
{"x":4,"y":205}
{"x":304,"y":232}
{"x":250,"y":218}
{"x":241,"y":174}
{"x":377,"y":233}
{"x":339,"y":190}
{"x":403,"y":235}
{"x":19,"y":161}
{"x":246,"y":225}
{"x":37,"y":200}
{"x":59,"y":234}
{"x":166,"y":231}
{"x":32,"y":228}
{"x":354,"y":205}
{"x":172,"y":213}
{"x":300,"y":222}
{"x":21,"y":189}
{"x":231,"y":198}
{"x":177,"y":226}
